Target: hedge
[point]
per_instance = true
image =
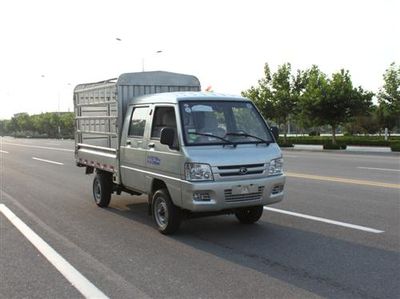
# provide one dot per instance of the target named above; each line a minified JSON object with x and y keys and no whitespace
{"x":283,"y":144}
{"x":395,"y":147}
{"x":330,"y":146}
{"x":347,"y":140}
{"x":343,"y":141}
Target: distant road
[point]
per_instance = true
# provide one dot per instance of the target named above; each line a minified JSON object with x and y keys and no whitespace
{"x":336,"y":234}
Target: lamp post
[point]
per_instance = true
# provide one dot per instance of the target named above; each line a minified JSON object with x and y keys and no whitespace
{"x":58,"y":104}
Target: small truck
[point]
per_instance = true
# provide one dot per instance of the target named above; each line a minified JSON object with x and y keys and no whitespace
{"x":192,"y":153}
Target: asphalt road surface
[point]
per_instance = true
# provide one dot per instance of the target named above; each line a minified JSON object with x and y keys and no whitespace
{"x":336,"y":234}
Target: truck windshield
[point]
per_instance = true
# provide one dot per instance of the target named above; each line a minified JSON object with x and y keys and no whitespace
{"x":222,"y":122}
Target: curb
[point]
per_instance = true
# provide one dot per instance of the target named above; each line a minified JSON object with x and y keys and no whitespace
{"x":350,"y":149}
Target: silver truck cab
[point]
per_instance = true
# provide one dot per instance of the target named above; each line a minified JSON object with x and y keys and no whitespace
{"x":210,"y":153}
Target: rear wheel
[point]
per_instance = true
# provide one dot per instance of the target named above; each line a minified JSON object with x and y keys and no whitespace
{"x":102,"y":189}
{"x":166,"y":215}
{"x":249,"y":215}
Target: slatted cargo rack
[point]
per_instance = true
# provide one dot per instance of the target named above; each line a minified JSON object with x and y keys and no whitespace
{"x":100,"y":109}
{"x":96,"y":114}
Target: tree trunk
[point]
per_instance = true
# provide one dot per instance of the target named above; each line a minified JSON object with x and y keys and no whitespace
{"x":333,"y":134}
{"x":285,"y":127}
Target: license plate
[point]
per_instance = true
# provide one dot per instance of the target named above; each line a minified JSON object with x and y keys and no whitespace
{"x":244,"y":189}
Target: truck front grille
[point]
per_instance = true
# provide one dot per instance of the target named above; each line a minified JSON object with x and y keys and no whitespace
{"x":229,"y":197}
{"x":240,"y":170}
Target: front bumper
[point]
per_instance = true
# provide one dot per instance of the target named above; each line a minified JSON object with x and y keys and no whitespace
{"x":224,"y":195}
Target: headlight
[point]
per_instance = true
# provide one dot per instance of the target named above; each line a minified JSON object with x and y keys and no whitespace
{"x":275,"y":167}
{"x":198,"y":172}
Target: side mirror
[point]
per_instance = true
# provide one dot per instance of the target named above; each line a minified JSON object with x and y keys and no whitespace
{"x":275,"y":132}
{"x":167,"y":136}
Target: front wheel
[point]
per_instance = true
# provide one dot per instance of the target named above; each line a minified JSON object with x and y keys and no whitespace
{"x":249,"y":215}
{"x":102,"y":189}
{"x":166,"y":215}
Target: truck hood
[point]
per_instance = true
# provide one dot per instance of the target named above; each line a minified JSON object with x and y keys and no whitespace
{"x":243,"y":154}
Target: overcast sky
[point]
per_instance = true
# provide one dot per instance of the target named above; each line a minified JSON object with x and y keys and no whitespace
{"x":47,"y":47}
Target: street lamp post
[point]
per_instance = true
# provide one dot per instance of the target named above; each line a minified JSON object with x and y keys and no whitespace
{"x":58,"y":113}
{"x":58,"y":107}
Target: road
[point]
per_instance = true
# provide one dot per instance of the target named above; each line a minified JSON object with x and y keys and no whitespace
{"x":336,"y":234}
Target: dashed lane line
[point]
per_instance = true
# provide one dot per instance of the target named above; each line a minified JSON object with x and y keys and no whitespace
{"x":47,"y":161}
{"x":382,"y":169}
{"x":80,"y":282}
{"x":325,"y":220}
{"x":4,"y":152}
{"x":41,"y":147}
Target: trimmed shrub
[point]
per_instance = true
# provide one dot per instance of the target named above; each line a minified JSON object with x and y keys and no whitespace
{"x":285,"y":144}
{"x":330,"y":146}
{"x":348,"y":140}
{"x":314,"y":133}
{"x":395,"y":147}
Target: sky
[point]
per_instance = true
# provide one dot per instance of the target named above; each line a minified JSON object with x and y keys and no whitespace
{"x":48,"y":47}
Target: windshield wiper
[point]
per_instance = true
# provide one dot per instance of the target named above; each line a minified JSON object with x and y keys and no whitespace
{"x":214,"y":136}
{"x":248,"y":135}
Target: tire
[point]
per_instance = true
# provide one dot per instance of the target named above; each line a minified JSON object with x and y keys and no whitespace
{"x":102,"y":189}
{"x":249,"y":215}
{"x":166,"y":215}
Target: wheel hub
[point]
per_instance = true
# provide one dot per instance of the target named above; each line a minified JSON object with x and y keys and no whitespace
{"x":161,"y":212}
{"x":97,"y":191}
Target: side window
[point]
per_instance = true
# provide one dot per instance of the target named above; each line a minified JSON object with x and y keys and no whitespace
{"x":138,"y":122}
{"x":163,"y":117}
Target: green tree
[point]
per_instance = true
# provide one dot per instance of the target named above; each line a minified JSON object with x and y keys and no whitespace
{"x":40,"y":124}
{"x":13,"y":126}
{"x":67,"y":123}
{"x":4,"y":127}
{"x":261,"y":95}
{"x":316,"y":90}
{"x":49,"y":124}
{"x":384,"y":116}
{"x":333,"y":101}
{"x":389,"y":94}
{"x":286,"y":90}
{"x":366,"y":123}
{"x":23,"y":122}
{"x":277,"y":94}
{"x":36,"y":121}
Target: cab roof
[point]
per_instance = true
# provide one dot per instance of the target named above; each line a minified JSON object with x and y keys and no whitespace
{"x":175,"y":97}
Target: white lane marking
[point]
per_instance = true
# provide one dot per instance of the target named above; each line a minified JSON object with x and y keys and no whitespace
{"x":80,"y":282}
{"x":42,"y":147}
{"x":344,"y":224}
{"x":47,"y":161}
{"x":383,"y":169}
{"x":3,"y":152}
{"x":95,"y":265}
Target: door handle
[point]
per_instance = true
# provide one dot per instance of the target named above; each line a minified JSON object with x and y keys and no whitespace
{"x":151,"y":145}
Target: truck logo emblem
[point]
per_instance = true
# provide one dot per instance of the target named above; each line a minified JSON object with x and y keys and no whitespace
{"x":153,"y":160}
{"x":244,"y":190}
{"x":242,"y":170}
